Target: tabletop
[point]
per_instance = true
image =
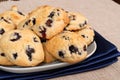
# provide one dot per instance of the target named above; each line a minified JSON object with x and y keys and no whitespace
{"x":104,"y":17}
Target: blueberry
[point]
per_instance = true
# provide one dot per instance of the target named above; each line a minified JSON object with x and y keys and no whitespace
{"x":85,"y":48}
{"x":2,"y":54}
{"x":74,"y":49}
{"x":85,"y":22}
{"x":83,"y":36}
{"x":43,"y":39}
{"x":51,"y":14}
{"x":34,"y":21}
{"x":29,"y":52}
{"x":72,"y":17}
{"x":66,"y":38}
{"x":20,"y":13}
{"x":42,"y":31}
{"x":61,"y":54}
{"x":15,"y":55}
{"x":35,"y":39}
{"x":5,"y":20}
{"x":2,"y":31}
{"x":27,"y":22}
{"x":17,"y":37}
{"x":49,"y":22}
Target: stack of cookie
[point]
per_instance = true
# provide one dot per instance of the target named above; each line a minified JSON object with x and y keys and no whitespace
{"x":46,"y":34}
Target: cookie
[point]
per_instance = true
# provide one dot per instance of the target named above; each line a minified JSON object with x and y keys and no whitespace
{"x":5,"y":25}
{"x":14,"y":15}
{"x":88,"y":34}
{"x":67,"y":46}
{"x":77,"y":21}
{"x":46,"y":21}
{"x":24,"y":48}
{"x":4,"y":60}
{"x":48,"y":57}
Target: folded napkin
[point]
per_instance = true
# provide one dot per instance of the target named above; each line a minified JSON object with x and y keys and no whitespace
{"x":106,"y":54}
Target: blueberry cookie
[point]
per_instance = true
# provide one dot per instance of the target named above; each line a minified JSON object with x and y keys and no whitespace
{"x":77,"y":21}
{"x":46,"y":21}
{"x":67,"y":46}
{"x":88,"y":34}
{"x":5,"y":25}
{"x":14,"y":15}
{"x":22,"y":47}
{"x":4,"y":60}
{"x":48,"y":57}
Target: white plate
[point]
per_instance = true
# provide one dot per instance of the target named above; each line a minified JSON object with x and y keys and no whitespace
{"x":15,"y":69}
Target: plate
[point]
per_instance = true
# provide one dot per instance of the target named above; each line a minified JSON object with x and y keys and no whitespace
{"x":15,"y":69}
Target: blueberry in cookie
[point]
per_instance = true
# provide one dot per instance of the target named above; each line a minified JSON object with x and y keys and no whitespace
{"x":77,"y":21}
{"x":67,"y":46}
{"x":24,"y":48}
{"x":46,"y":21}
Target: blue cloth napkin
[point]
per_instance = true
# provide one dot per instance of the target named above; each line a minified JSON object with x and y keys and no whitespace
{"x":106,"y":54}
